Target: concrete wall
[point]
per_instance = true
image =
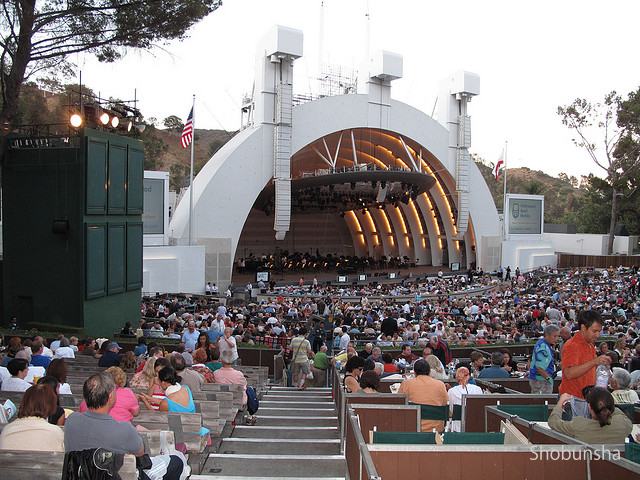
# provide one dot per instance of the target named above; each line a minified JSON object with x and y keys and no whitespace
{"x":590,"y":244}
{"x":174,"y":269}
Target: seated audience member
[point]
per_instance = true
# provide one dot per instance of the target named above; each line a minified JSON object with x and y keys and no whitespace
{"x":619,"y":383}
{"x":111,"y":357}
{"x":437,"y":370}
{"x":141,"y":349}
{"x":126,"y":405}
{"x":215,"y":363}
{"x":146,"y":377}
{"x":58,"y":370}
{"x":495,"y":370}
{"x":89,"y":348}
{"x":199,"y":358}
{"x":47,"y":352}
{"x":425,"y":390}
{"x":74,"y":344}
{"x":95,"y":428}
{"x":227,"y":374}
{"x":463,"y":388}
{"x":178,"y":397}
{"x":155,"y":392}
{"x":18,"y":369}
{"x":191,"y":379}
{"x":128,"y":361}
{"x":369,"y":382}
{"x":13,"y":347}
{"x":376,"y":354}
{"x":31,"y":430}
{"x":182,"y":350}
{"x":56,"y":343}
{"x":406,"y":354}
{"x":204,"y":343}
{"x":508,"y":364}
{"x":37,"y":358}
{"x":64,"y":350}
{"x":57,"y":417}
{"x":154,"y":351}
{"x":353,"y":369}
{"x":389,"y":366}
{"x":607,"y":425}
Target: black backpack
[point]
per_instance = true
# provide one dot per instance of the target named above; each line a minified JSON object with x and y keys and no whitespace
{"x":252,"y":401}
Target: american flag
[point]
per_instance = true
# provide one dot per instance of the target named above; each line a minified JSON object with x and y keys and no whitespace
{"x":187,"y":131}
{"x":499,"y":164}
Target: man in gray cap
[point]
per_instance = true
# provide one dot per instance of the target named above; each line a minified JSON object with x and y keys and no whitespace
{"x":112,"y":358}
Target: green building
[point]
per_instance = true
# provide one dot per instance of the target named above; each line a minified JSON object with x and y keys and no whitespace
{"x":72,"y":231}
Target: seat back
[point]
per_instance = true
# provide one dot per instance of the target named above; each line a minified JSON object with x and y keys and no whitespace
{"x":531,"y":413}
{"x":457,"y":412}
{"x":413,"y":438}
{"x":473,"y":438}
{"x":433,"y":412}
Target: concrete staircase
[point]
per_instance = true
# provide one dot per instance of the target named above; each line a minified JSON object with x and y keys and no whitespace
{"x":296,"y":436}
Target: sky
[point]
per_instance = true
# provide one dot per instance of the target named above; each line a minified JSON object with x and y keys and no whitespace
{"x":531,"y":58}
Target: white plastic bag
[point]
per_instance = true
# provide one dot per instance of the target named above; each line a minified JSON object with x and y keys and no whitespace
{"x":167,"y":448}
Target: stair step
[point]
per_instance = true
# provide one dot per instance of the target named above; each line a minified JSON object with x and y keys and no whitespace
{"x":253,"y":465}
{"x":294,"y":404}
{"x":282,"y":432}
{"x":308,"y":412}
{"x":295,"y":421}
{"x":303,"y":398}
{"x":225,"y":477}
{"x":295,"y":389}
{"x":306,"y":446}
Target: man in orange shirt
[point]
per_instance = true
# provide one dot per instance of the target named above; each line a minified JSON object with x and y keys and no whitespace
{"x":427,"y":391}
{"x":579,"y":360}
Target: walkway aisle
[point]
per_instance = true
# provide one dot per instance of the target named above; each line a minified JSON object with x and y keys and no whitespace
{"x":296,"y":437}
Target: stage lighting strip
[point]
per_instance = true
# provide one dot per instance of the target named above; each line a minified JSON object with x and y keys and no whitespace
{"x":359,"y":230}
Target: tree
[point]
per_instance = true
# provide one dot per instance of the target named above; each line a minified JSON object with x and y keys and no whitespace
{"x":173,"y":122}
{"x":616,"y":150}
{"x":37,"y":38}
{"x":154,"y":148}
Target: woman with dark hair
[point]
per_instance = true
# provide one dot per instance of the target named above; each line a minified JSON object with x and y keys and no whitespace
{"x":204,"y":342}
{"x":509,"y":364}
{"x":369,"y":382}
{"x":58,"y":417}
{"x":178,"y":397}
{"x":607,"y":425}
{"x":389,"y":366}
{"x":353,"y":369}
{"x":58,"y":370}
{"x":31,"y":430}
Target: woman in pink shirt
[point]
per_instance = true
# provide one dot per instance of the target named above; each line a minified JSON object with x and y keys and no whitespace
{"x":126,"y":406}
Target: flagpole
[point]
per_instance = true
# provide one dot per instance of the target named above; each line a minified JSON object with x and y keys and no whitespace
{"x":504,"y":195}
{"x":193,"y":123}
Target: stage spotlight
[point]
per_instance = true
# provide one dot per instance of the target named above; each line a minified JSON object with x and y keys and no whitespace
{"x":75,"y":120}
{"x":115,"y":121}
{"x":104,"y":118}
